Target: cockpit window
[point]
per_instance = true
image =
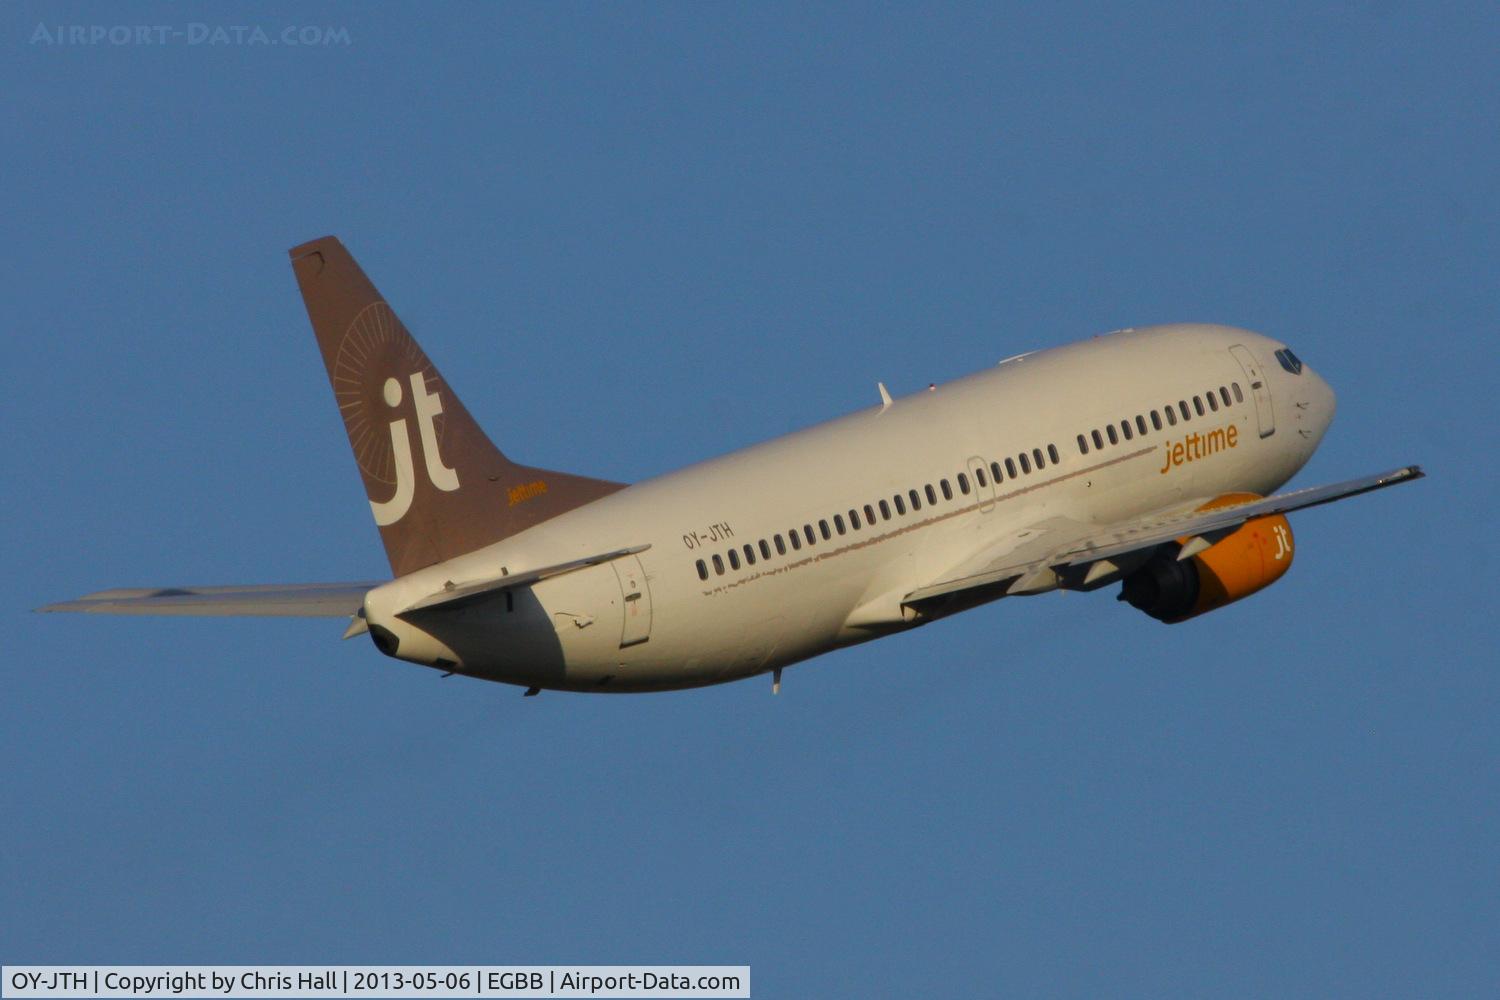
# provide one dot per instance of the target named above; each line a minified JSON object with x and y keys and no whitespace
{"x":1289,"y":361}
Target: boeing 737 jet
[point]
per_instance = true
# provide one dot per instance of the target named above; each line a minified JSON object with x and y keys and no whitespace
{"x":1147,"y":459}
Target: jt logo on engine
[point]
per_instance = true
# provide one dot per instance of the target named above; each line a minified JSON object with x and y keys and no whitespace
{"x":428,"y":406}
{"x":1283,"y":544}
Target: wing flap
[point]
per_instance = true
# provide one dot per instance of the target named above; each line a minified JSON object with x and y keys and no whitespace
{"x":1012,"y":560}
{"x":295,"y":600}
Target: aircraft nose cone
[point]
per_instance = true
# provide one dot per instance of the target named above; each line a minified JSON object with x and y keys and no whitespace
{"x":1322,"y":402}
{"x":1328,"y":401}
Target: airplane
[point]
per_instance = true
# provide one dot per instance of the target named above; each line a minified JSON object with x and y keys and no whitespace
{"x":1147,"y":458}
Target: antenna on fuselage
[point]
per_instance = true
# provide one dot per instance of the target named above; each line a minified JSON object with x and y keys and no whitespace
{"x":885,"y":397}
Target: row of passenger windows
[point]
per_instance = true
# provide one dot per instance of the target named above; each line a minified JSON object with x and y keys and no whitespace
{"x":1021,"y":464}
{"x":1128,"y":429}
{"x":859,"y":518}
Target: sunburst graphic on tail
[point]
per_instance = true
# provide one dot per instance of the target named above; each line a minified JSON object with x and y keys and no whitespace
{"x":374,"y":405}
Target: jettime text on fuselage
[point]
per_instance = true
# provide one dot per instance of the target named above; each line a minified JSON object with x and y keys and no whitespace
{"x":1195,"y":446}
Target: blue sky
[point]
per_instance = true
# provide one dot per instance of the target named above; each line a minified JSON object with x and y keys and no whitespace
{"x":633,"y":236}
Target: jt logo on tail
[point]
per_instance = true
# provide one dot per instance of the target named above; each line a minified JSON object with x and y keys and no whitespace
{"x":428,"y":406}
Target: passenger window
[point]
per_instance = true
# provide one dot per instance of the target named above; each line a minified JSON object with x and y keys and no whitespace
{"x":1113,"y":437}
{"x":900,"y":504}
{"x":979,"y":475}
{"x":1083,"y":445}
{"x":718,"y":565}
{"x":823,"y":527}
{"x":931,"y":495}
{"x":808,"y":534}
{"x":749,"y":554}
{"x":1140,"y":424}
{"x":1036,"y":456}
{"x":885,"y":511}
{"x":780,"y":546}
{"x":1125,"y":429}
{"x":947,"y":490}
{"x":765,"y":549}
{"x":1171,"y":415}
{"x":796,"y":540}
{"x":1213,"y":401}
{"x":702,"y":570}
{"x":1224,"y":394}
{"x":995,"y":471}
{"x":870,"y":515}
{"x":915,"y":498}
{"x":838,"y":523}
{"x":963,"y":484}
{"x":1098,"y":441}
{"x":1010,"y":467}
{"x":1052,"y":453}
{"x":1186,"y":413}
{"x":1198,"y":405}
{"x":1239,"y":397}
{"x":854,"y":519}
{"x":734,"y":559}
{"x":1025,"y":464}
{"x":1156,"y":420}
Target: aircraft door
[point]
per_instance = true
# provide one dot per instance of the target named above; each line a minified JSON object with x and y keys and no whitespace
{"x":984,"y":486}
{"x":1260,"y":389}
{"x":637,"y":600}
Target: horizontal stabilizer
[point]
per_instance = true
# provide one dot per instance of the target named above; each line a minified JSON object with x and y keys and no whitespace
{"x":288,"y":600}
{"x":457,"y":595}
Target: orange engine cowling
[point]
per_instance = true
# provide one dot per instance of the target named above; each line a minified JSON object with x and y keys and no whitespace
{"x":1255,"y":556}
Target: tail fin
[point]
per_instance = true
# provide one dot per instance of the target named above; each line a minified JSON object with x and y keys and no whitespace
{"x":437,"y":486}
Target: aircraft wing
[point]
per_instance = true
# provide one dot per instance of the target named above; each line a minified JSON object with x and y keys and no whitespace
{"x":1031,"y":560}
{"x":1018,"y":564}
{"x":291,"y":600}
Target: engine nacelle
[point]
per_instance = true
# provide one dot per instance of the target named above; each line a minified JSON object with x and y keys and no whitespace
{"x":1255,"y":556}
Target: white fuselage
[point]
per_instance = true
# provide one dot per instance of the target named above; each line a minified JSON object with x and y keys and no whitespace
{"x":653,"y":621}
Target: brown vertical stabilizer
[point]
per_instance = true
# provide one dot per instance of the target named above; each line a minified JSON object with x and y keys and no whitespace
{"x":437,"y":486}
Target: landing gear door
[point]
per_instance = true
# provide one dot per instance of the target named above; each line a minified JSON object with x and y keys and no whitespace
{"x":636,"y":596}
{"x":1260,"y":389}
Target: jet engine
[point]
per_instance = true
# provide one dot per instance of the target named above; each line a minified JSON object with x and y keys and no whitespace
{"x":1254,"y":556}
